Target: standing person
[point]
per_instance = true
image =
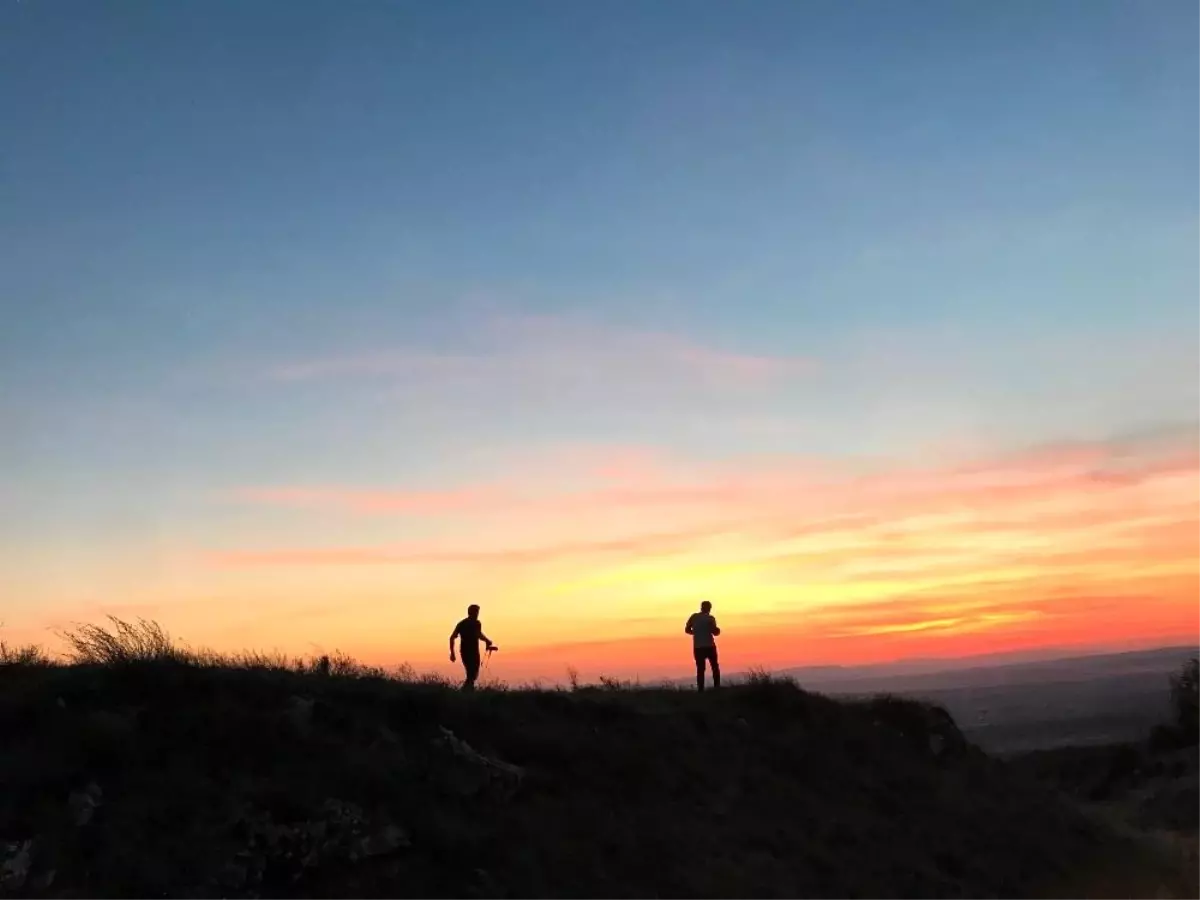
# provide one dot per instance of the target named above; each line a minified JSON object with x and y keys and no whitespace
{"x":702,"y":626}
{"x":469,"y":633}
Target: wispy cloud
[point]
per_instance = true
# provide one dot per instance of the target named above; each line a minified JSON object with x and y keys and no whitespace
{"x":403,"y":502}
{"x":426,"y":554}
{"x":638,"y":478}
{"x":559,"y":351}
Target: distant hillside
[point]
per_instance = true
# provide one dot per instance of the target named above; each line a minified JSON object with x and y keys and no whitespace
{"x":1018,"y":706}
{"x":186,"y":778}
{"x":917,"y":675}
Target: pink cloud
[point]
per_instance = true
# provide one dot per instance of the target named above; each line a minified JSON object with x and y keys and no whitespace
{"x":581,"y":481}
{"x":416,"y":554}
{"x":560,"y":351}
{"x":402,"y":502}
{"x":479,"y":501}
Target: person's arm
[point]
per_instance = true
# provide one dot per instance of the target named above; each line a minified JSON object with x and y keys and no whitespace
{"x":487,"y":640}
{"x":715,"y":630}
{"x":453,"y":635}
{"x":687,"y":629}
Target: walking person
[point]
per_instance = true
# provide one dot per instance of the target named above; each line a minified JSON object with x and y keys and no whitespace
{"x":469,"y":633}
{"x":702,"y":626}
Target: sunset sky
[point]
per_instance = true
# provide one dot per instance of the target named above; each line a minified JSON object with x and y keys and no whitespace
{"x":875,"y":324}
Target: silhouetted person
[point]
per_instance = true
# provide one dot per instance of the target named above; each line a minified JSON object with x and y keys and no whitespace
{"x":702,"y":626}
{"x":469,"y":633}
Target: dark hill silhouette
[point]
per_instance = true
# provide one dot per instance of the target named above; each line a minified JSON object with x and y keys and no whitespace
{"x":146,"y":771}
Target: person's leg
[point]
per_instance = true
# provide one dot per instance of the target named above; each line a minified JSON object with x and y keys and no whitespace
{"x":716,"y":667}
{"x":471,"y":665}
{"x":698,"y":654}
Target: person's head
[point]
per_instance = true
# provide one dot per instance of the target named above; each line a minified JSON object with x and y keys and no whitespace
{"x":473,"y":611}
{"x":705,"y":607}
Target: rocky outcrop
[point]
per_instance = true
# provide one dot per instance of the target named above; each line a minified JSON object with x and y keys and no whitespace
{"x":465,"y":772}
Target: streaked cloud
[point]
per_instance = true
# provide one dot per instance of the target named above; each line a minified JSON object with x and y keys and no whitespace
{"x":561,"y":351}
{"x":796,"y":486}
{"x":649,"y":543}
{"x":410,"y":502}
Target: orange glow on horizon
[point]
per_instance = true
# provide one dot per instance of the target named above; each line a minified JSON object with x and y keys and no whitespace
{"x":1081,"y":546}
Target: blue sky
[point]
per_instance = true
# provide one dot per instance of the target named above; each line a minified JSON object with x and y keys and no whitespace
{"x":973,"y":223}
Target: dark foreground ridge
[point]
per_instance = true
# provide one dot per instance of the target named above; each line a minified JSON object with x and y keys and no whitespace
{"x":186,"y":779}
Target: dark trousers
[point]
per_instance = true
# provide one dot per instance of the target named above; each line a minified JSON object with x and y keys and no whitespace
{"x":471,"y":664}
{"x":710,"y":654}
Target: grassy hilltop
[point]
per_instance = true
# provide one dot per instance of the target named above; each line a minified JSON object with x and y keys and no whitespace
{"x":144,"y":770}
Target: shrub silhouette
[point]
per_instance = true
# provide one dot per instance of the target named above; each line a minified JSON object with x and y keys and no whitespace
{"x":122,"y":642}
{"x":27,"y":655}
{"x":1184,"y":700}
